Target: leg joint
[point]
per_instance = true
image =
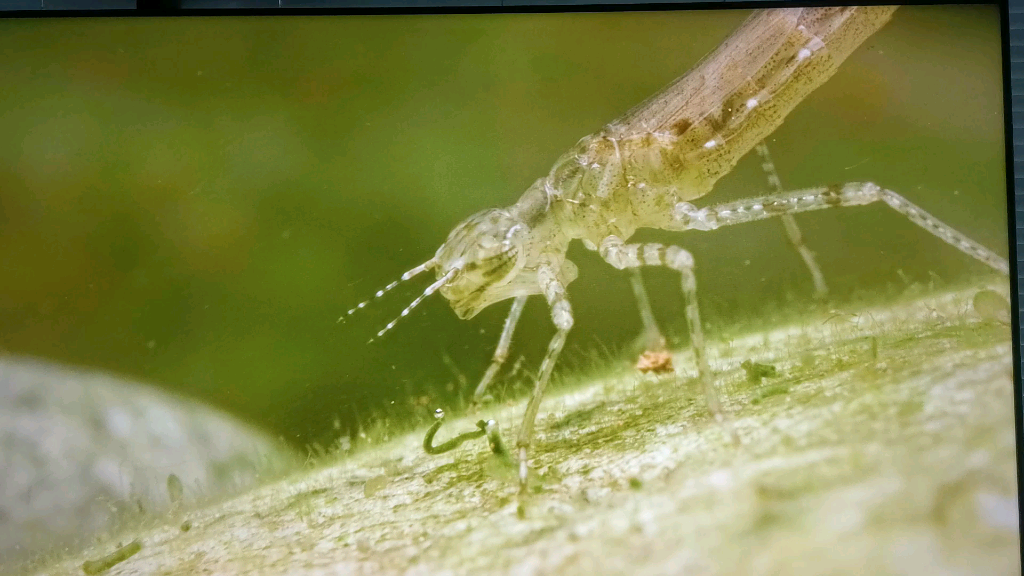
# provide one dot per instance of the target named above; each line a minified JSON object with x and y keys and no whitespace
{"x":561,"y":315}
{"x":679,"y":259}
{"x":611,"y":251}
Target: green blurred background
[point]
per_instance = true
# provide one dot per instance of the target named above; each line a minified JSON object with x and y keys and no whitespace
{"x":195,"y":201}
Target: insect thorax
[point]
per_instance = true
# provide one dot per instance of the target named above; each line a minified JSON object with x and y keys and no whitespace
{"x":612,"y":186}
{"x":603,"y":186}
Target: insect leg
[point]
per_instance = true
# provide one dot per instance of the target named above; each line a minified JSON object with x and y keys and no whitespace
{"x":622,"y":256}
{"x":854,"y":194}
{"x":652,"y":337}
{"x":561,"y":315}
{"x":501,"y":353}
{"x":789,"y":223}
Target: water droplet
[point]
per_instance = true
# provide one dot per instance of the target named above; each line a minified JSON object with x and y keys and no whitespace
{"x":991,"y":306}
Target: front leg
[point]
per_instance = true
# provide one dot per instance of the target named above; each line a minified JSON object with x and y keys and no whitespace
{"x":501,"y":352}
{"x":623,"y":256}
{"x":561,"y":315}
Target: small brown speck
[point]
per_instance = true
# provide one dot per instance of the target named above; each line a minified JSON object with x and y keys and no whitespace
{"x":657,"y":362}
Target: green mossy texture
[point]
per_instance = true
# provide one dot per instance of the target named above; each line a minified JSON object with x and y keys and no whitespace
{"x":902,"y":463}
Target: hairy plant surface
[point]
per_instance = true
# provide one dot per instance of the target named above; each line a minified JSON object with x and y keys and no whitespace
{"x":881,"y":443}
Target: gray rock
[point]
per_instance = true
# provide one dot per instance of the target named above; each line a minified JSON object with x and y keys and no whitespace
{"x":83,"y":452}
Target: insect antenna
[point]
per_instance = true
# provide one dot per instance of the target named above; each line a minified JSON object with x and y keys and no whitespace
{"x":430,"y":290}
{"x":417,"y":270}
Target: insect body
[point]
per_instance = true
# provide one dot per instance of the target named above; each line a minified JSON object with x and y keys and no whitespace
{"x":642,"y":171}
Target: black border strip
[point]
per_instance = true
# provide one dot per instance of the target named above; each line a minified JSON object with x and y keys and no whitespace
{"x":1013,"y":77}
{"x":49,"y":8}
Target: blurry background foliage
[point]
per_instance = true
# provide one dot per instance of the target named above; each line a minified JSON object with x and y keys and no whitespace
{"x":195,"y":201}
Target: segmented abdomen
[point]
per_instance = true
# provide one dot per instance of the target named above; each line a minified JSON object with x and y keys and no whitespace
{"x":678,"y":143}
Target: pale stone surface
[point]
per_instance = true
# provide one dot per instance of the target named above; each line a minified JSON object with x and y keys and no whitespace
{"x":82,"y":452}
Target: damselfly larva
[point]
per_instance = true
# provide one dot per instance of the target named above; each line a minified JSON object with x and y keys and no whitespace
{"x":643,"y":170}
